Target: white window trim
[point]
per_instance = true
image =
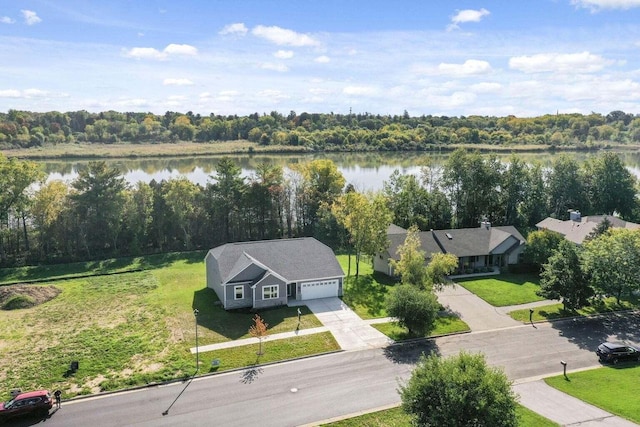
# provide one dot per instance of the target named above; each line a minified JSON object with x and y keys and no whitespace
{"x":235,"y":292}
{"x":271,"y":287}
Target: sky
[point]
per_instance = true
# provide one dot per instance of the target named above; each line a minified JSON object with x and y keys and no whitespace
{"x":454,"y":58}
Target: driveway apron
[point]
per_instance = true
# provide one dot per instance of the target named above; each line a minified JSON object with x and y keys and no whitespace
{"x":477,"y":313}
{"x":349,"y":330}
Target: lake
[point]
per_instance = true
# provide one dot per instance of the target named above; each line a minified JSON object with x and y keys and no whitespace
{"x":366,"y":171}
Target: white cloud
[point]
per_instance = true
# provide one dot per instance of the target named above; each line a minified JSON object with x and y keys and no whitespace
{"x":205,"y":95}
{"x":323,"y":59}
{"x":180,"y":49}
{"x":144,"y":53}
{"x":360,"y":90}
{"x":274,"y":66}
{"x":467,"y":15}
{"x":272,"y":94}
{"x":10,"y":93}
{"x":597,"y":5}
{"x":152,"y":53}
{"x":228,"y":93}
{"x":485,"y":87}
{"x":470,"y":67}
{"x":35,"y":93}
{"x":177,"y":82}
{"x":284,"y":54}
{"x":234,"y":29}
{"x":319,"y":91}
{"x":30,"y":17}
{"x":583,"y":62}
{"x":177,"y":98}
{"x":6,"y":20}
{"x":283,"y":37}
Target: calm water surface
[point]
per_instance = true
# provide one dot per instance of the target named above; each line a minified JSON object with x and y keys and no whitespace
{"x":366,"y":171}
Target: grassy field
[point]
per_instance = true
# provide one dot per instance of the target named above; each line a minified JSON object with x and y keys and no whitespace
{"x":444,"y":325}
{"x":126,"y":150}
{"x":396,"y":417}
{"x":614,"y":389}
{"x":556,"y":311}
{"x":134,"y":328}
{"x":365,"y":294}
{"x":505,"y":289}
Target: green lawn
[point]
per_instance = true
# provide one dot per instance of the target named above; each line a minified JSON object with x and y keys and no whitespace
{"x":396,"y":417}
{"x":444,"y":325}
{"x":614,"y":389}
{"x":365,"y":294}
{"x":133,"y":328}
{"x":556,"y":311}
{"x":504,"y":289}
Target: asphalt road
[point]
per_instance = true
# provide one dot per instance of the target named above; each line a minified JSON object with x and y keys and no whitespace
{"x":306,"y":391}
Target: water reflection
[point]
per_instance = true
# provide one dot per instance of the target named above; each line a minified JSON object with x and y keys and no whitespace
{"x":366,"y":171}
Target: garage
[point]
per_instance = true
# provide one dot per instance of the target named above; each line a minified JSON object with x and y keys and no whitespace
{"x":320,"y":289}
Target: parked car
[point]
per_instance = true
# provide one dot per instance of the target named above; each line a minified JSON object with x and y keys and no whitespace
{"x":609,"y":352}
{"x":30,"y":403}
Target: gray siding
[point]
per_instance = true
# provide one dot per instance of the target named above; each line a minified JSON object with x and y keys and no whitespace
{"x":213,"y":276}
{"x":252,"y":272}
{"x":232,"y":303}
{"x":269,"y":280}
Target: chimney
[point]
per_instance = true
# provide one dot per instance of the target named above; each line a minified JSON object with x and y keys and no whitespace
{"x":485,"y":224}
{"x":574,"y":215}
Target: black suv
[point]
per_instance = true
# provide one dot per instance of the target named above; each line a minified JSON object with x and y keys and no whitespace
{"x":615,"y":352}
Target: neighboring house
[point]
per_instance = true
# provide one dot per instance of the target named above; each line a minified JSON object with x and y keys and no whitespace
{"x":270,"y":273}
{"x":577,"y":227}
{"x":479,"y":250}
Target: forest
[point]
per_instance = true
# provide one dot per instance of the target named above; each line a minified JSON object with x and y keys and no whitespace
{"x":98,"y":215}
{"x":318,"y":132}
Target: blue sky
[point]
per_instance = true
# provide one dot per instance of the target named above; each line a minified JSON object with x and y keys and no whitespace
{"x":453,"y":58}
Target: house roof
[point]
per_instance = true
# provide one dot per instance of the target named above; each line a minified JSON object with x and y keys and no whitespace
{"x":461,"y":242}
{"x":577,"y":230}
{"x":292,"y":259}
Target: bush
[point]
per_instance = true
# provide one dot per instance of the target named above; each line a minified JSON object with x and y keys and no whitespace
{"x":415,"y":309}
{"x":459,"y":391}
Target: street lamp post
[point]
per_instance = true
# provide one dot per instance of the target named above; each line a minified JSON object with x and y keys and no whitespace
{"x":195,"y":316}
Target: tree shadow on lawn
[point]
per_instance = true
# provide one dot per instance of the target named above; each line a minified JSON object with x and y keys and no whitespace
{"x":98,"y":267}
{"x":368,"y":291}
{"x":409,"y":353}
{"x":234,"y":324}
{"x":588,"y":333}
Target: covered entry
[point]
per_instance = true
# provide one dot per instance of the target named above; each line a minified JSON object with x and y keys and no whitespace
{"x":320,"y":289}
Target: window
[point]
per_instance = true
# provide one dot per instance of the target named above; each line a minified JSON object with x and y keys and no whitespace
{"x":238,"y":292}
{"x":270,"y":292}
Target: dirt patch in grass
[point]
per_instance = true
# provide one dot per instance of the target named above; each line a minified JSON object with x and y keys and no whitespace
{"x":25,"y":296}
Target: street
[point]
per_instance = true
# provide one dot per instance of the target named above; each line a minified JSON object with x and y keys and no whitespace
{"x":309,"y":390}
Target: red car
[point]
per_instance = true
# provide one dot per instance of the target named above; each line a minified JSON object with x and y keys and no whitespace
{"x":30,"y":403}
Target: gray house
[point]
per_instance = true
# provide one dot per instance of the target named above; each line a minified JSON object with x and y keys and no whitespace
{"x":270,"y":273}
{"x":483,"y":249}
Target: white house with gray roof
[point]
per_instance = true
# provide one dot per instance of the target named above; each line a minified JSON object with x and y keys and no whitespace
{"x":483,"y":249}
{"x":270,"y":273}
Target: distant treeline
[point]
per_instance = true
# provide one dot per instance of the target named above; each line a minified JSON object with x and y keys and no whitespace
{"x":22,"y":129}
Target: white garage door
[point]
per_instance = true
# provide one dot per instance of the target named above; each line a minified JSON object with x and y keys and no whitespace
{"x":322,"y":289}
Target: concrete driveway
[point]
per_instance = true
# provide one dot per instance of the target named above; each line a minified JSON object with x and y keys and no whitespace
{"x":349,"y":330}
{"x":477,"y":313}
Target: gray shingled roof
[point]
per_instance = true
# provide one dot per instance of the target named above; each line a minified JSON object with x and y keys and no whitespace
{"x":577,"y":231}
{"x":294,"y":259}
{"x":463,"y":242}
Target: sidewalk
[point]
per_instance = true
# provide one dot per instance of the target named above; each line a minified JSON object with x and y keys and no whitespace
{"x":564,"y":409}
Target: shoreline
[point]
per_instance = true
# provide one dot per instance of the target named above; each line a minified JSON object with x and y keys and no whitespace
{"x":98,"y":151}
